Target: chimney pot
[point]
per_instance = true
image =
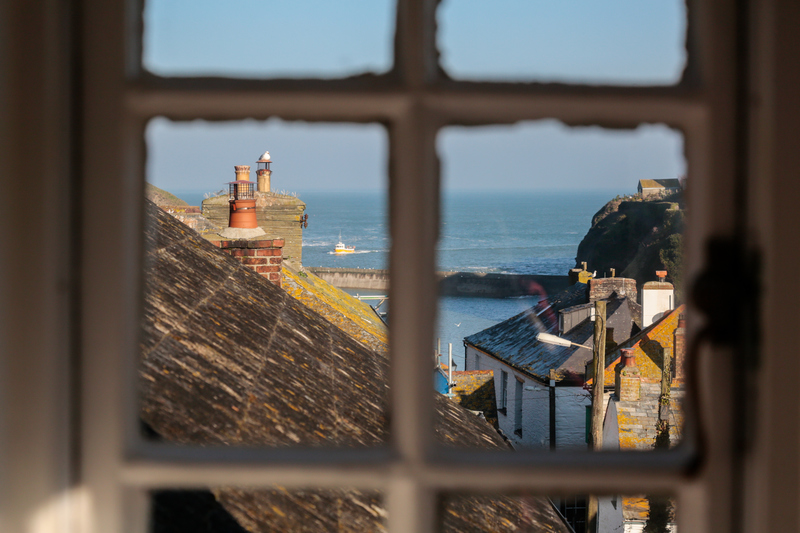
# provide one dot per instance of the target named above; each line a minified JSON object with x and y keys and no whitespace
{"x":661,"y":274}
{"x":628,"y":378}
{"x":242,"y":202}
{"x":242,"y":172}
{"x":628,"y":359}
{"x":264,"y":173}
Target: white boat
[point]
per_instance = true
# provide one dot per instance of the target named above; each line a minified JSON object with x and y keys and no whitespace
{"x":341,"y":248}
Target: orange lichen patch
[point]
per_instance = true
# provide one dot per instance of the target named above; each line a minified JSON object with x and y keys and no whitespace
{"x":474,"y":389}
{"x":469,"y":381}
{"x":352,"y":316}
{"x":635,"y":508}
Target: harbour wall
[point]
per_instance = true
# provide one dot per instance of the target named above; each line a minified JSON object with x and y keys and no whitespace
{"x":465,"y":284}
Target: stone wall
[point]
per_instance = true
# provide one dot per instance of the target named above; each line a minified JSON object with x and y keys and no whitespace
{"x":278,"y":215}
{"x":261,"y":256}
{"x":466,"y":284}
{"x":353,"y":278}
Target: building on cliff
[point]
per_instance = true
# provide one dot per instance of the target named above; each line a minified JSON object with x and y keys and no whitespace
{"x":651,"y":188}
{"x":228,"y":359}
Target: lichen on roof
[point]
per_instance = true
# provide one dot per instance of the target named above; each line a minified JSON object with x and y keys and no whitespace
{"x":474,"y":390}
{"x":352,"y":316}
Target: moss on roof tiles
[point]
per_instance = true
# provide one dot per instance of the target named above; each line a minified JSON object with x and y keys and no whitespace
{"x":229,"y":359}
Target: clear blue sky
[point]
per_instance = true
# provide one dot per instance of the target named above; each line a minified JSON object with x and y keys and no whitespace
{"x":590,"y":41}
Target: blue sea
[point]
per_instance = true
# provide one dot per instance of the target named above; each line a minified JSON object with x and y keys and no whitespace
{"x":506,"y":232}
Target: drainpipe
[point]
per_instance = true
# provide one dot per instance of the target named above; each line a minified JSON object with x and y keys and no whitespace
{"x":449,"y":366}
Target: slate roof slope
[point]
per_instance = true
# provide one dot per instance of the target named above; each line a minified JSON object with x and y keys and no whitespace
{"x":228,"y":358}
{"x":514,"y":340}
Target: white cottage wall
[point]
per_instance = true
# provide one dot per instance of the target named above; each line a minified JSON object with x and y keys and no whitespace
{"x":535,"y":402}
{"x":571,"y":403}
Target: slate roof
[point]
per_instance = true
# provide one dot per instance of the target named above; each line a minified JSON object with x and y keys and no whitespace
{"x":514,"y":340}
{"x":671,"y":183}
{"x":229,"y":359}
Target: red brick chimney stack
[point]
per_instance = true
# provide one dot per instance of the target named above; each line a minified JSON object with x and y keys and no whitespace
{"x":263,"y":256}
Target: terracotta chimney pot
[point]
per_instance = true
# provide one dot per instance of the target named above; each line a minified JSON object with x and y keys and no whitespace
{"x":628,"y":378}
{"x":242,"y":172}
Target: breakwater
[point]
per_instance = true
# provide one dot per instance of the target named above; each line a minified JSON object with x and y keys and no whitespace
{"x":464,"y":284}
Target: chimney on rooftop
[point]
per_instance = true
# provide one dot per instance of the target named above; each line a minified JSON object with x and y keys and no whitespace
{"x":604,"y":288}
{"x":658,"y":297}
{"x":264,"y":173}
{"x":241,"y":199}
{"x":242,"y":172}
{"x":628,"y":379}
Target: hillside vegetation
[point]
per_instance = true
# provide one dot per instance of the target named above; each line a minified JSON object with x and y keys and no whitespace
{"x":636,"y":237}
{"x":161,"y":197}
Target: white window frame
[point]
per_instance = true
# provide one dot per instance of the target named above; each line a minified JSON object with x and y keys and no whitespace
{"x":71,"y":457}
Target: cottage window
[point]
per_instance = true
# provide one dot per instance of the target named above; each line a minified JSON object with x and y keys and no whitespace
{"x":73,"y":93}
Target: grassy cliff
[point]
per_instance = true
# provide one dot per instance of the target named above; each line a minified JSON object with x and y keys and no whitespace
{"x":636,"y":237}
{"x":161,"y":197}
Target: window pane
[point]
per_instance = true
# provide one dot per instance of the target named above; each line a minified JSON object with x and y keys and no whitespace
{"x":258,"y":38}
{"x":558,"y":513}
{"x":242,"y":344}
{"x":523,"y":208}
{"x":237,"y":510}
{"x":625,"y":42}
